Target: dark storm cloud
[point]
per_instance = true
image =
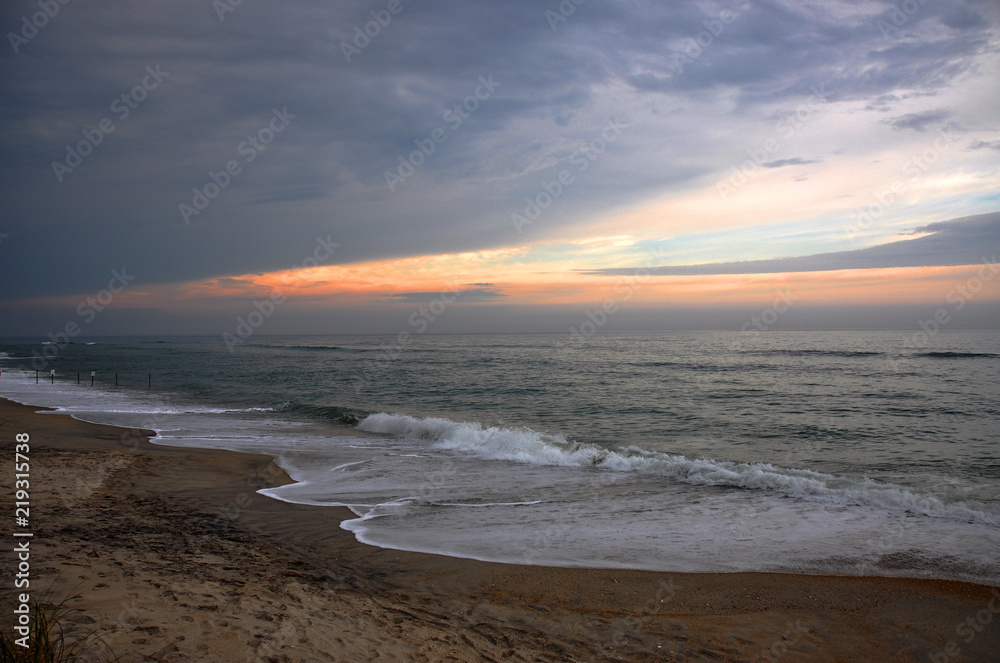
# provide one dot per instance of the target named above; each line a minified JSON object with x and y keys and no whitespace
{"x":323,"y":174}
{"x":967,"y":241}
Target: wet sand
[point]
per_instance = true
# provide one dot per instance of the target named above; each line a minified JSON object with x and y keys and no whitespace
{"x":176,"y":558}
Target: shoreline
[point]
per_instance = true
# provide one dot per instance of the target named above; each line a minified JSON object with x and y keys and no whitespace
{"x":183,"y":560}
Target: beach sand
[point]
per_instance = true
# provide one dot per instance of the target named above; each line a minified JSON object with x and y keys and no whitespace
{"x":176,"y":558}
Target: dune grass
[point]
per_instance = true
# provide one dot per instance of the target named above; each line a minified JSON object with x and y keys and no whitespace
{"x":55,"y":634}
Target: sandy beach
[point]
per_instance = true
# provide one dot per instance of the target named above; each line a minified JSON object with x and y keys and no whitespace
{"x":176,"y":558}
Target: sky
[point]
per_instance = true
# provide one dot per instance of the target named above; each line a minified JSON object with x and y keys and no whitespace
{"x":222,"y":167}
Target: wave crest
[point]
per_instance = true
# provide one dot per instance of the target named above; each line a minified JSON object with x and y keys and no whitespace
{"x":524,"y":445}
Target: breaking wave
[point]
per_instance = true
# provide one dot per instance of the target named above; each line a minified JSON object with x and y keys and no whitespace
{"x":524,"y":445}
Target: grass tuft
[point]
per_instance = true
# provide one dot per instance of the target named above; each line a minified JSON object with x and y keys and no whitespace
{"x":54,"y":633}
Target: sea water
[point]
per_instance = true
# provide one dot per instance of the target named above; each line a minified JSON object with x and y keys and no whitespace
{"x":874,"y":453}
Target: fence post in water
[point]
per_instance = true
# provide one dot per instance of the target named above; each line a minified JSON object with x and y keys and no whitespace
{"x":78,"y":377}
{"x":52,"y":375}
{"x":92,"y":374}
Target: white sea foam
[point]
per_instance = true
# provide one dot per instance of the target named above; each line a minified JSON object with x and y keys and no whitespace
{"x":523,"y":445}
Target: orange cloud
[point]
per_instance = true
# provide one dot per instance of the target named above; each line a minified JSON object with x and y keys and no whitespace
{"x":557,"y":284}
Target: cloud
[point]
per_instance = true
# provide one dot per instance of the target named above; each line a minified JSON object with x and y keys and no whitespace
{"x":962,"y":17}
{"x":324,"y":175}
{"x":965,"y":241}
{"x":919,"y":121}
{"x":465,"y":296}
{"x":888,"y":102}
{"x":985,"y":145}
{"x":795,"y":161}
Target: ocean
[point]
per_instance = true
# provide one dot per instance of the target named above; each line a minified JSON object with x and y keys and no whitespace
{"x":841,"y":452}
